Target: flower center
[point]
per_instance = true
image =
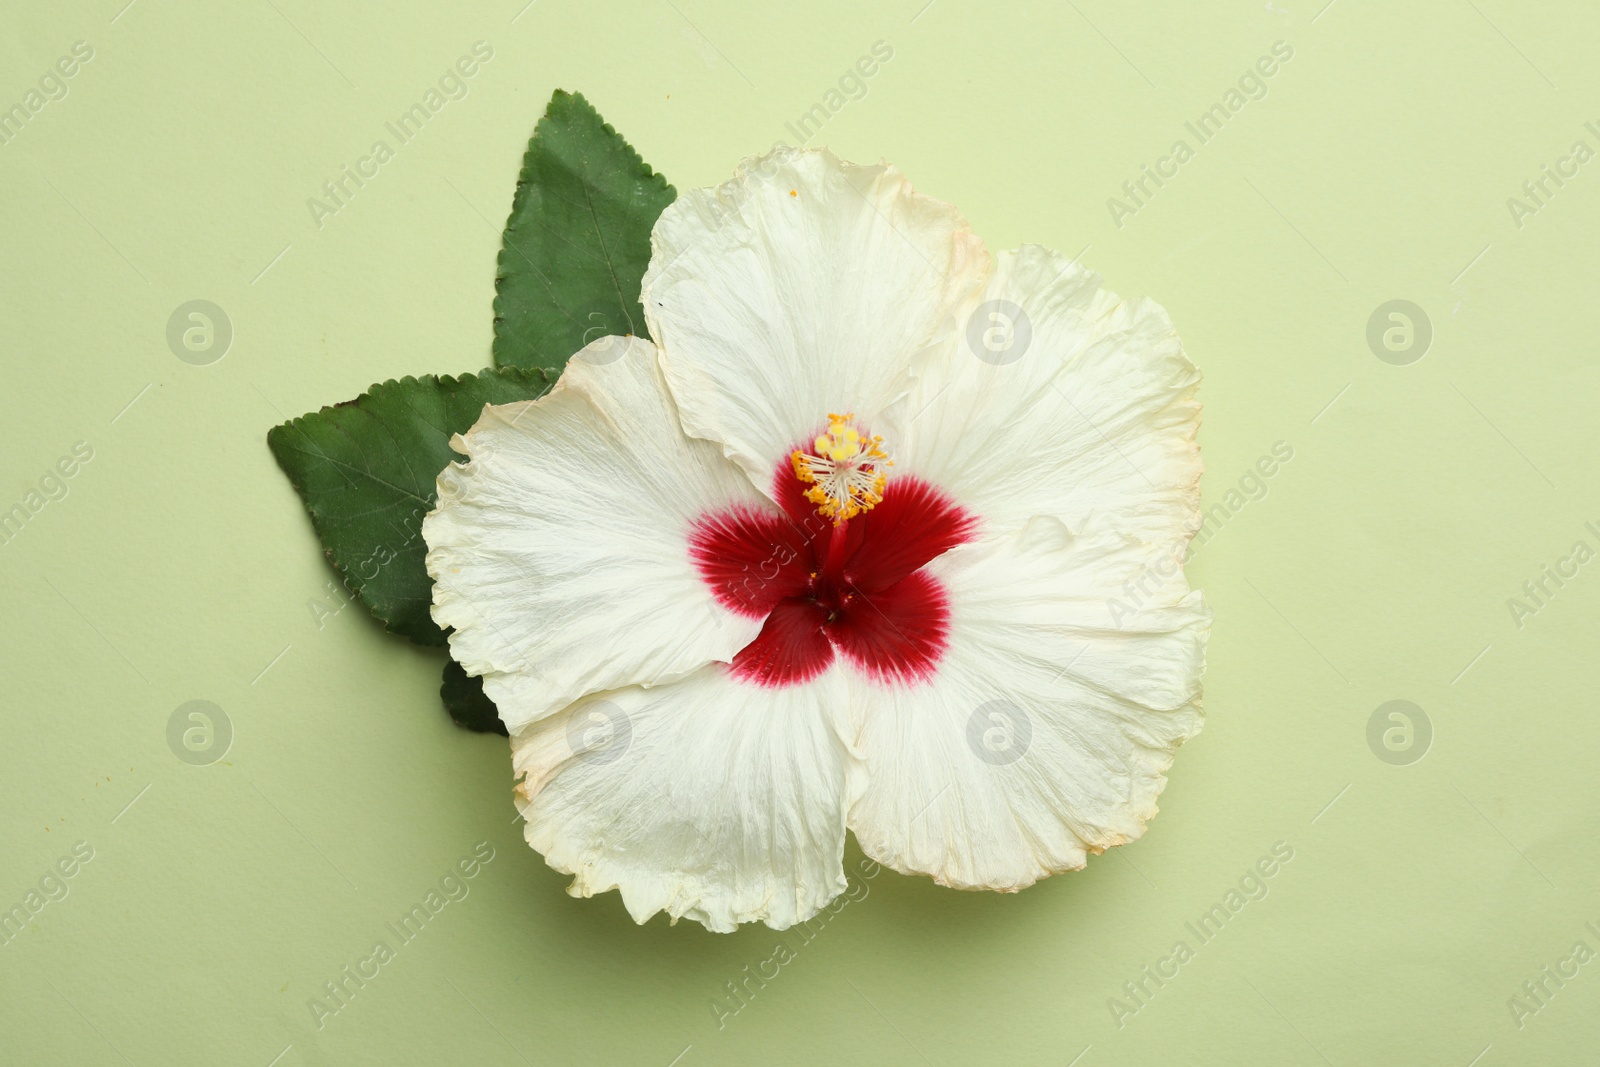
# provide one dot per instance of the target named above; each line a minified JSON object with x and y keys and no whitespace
{"x":838,"y":568}
{"x":845,"y":471}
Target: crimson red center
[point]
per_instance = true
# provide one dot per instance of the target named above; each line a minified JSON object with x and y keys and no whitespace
{"x":859,"y":590}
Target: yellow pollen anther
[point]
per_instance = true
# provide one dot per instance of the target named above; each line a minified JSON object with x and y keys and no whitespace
{"x":846,"y":472}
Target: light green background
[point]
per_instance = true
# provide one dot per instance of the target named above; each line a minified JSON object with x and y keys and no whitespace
{"x":1378,"y":565}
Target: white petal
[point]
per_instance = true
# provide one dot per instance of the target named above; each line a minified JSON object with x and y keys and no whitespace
{"x":803,"y":287}
{"x":1080,"y":407}
{"x":1047,"y":730}
{"x":706,"y":798}
{"x":559,"y":551}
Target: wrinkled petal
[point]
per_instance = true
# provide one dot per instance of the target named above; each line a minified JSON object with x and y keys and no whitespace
{"x":1058,"y":398}
{"x":559,"y":551}
{"x":705,"y":798}
{"x":803,"y":287}
{"x":1055,"y":712}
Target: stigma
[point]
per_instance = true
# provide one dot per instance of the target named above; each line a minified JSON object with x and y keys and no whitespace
{"x":846,"y":470}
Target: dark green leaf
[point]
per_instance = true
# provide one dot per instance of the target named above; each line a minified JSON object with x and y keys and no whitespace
{"x":366,"y":471}
{"x":578,"y":239}
{"x":464,"y":699}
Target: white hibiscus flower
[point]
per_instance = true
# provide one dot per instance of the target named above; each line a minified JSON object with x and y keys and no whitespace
{"x":878,"y":535}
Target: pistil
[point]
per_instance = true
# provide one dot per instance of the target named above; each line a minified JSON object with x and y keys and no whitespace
{"x":833,"y":563}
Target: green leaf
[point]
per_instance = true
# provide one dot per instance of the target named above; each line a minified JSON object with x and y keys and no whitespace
{"x":466,"y":702}
{"x":366,"y":471}
{"x":578,"y":239}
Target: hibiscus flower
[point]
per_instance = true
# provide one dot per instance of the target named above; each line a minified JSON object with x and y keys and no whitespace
{"x":879,"y":533}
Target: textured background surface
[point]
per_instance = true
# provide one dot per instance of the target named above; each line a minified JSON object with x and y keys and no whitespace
{"x":1375,"y":565}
